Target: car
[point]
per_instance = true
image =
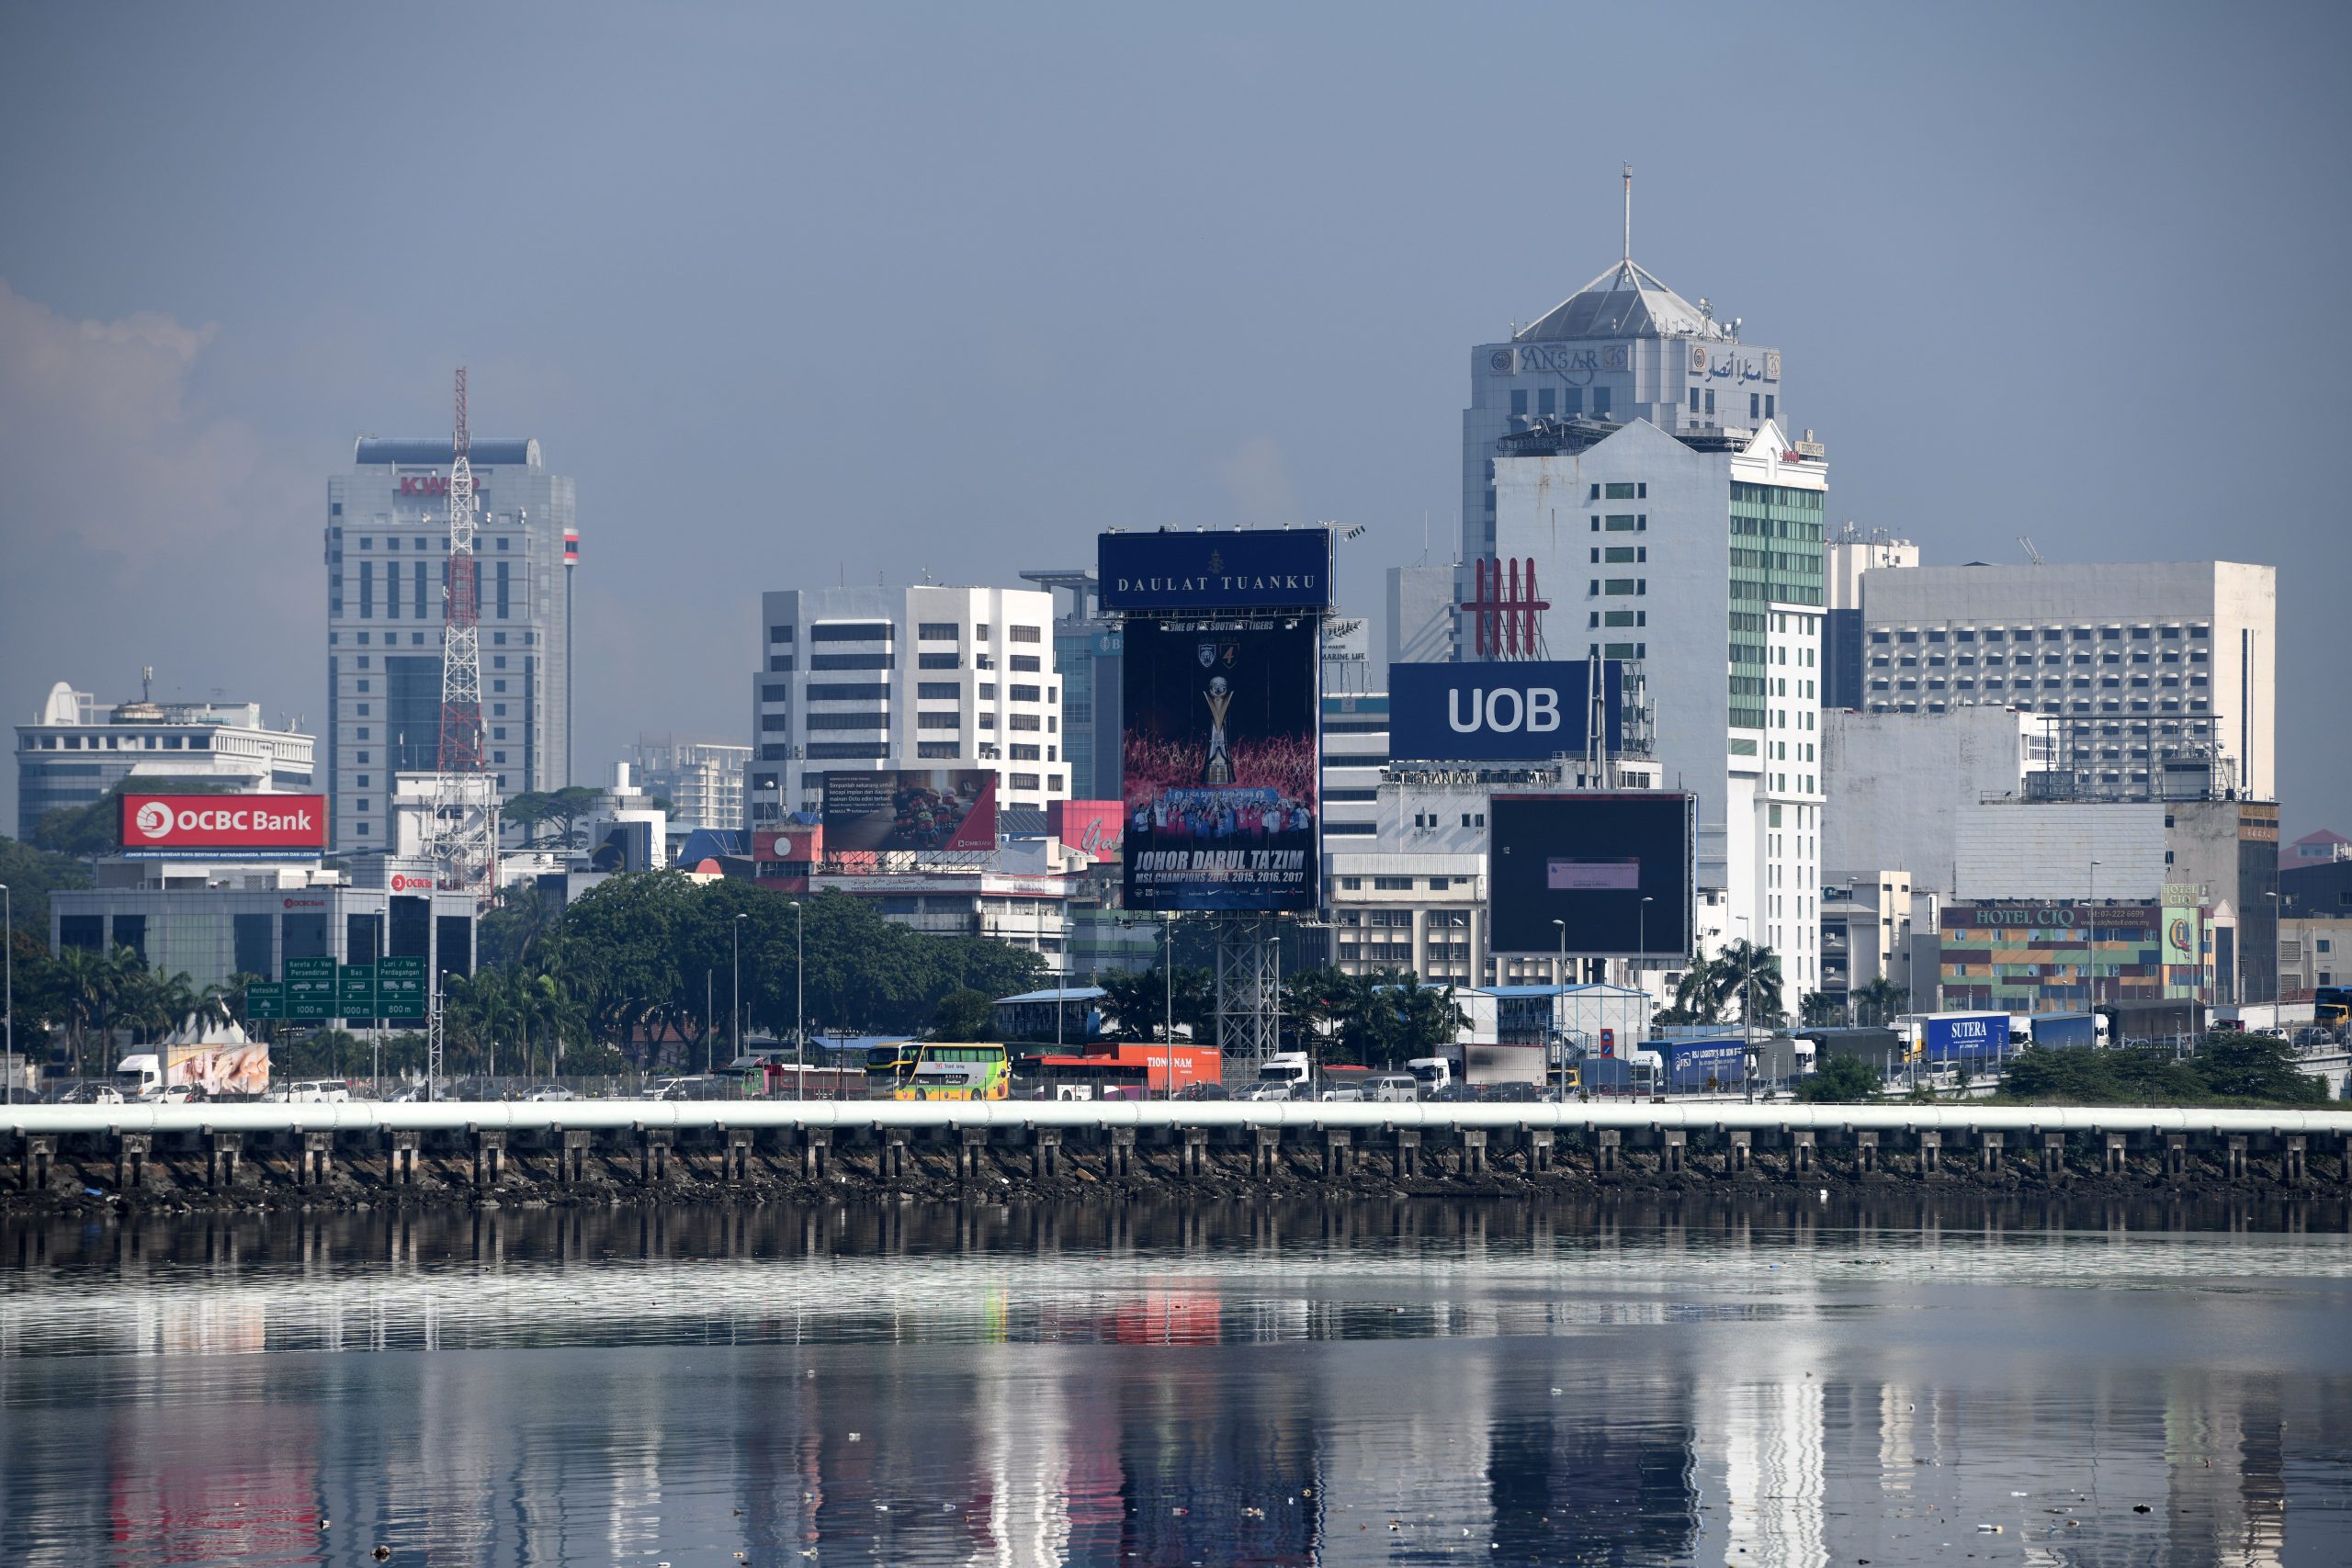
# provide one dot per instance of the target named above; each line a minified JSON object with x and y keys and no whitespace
{"x":1341,"y":1094}
{"x":686,"y":1089}
{"x":1262,"y":1091}
{"x":91,"y":1094}
{"x":550,"y":1091}
{"x":315,"y":1091}
{"x":1204,"y":1091}
{"x":174,"y":1094}
{"x":1511,"y":1094}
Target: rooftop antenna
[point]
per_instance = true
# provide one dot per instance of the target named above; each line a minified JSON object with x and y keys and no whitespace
{"x":147,"y":682}
{"x":1629,"y":214}
{"x":2030,"y":553}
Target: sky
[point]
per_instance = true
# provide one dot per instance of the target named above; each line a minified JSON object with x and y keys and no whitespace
{"x":804,"y":296}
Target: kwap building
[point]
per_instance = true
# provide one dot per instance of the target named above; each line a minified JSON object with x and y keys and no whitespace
{"x":219,"y":885}
{"x":1634,"y":493}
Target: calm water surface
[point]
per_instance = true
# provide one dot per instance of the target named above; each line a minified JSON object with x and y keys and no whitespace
{"x":1775,"y":1381}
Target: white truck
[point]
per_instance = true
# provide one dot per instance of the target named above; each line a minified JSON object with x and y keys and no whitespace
{"x":1285,"y":1074}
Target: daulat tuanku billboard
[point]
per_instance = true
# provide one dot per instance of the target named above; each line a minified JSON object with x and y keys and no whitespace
{"x":1616,"y":869}
{"x":1504,"y":711}
{"x":926,"y":809}
{"x":1222,"y":719}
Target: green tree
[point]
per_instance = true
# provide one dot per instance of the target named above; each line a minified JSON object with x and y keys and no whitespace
{"x":1881,"y":1002}
{"x":1698,"y":997}
{"x":1823,"y":1009}
{"x":1747,"y":975}
{"x":2255,"y":1067}
{"x":1841,"y":1078}
{"x":86,"y":832}
{"x":32,"y":876}
{"x":1138,"y":1002}
{"x":963,"y":1014}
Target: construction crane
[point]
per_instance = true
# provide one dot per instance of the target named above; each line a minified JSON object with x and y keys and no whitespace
{"x":465,"y":804}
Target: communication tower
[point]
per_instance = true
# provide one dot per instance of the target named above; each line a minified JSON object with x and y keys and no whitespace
{"x":465,"y":805}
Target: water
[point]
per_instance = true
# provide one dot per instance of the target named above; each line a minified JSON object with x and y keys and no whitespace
{"x":1766,"y":1380}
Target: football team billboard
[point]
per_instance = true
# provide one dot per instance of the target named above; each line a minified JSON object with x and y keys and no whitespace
{"x":930,"y":809}
{"x":1615,"y":868}
{"x":273,"y":825}
{"x":1255,"y":569}
{"x":1220,"y":766}
{"x":1504,"y":711}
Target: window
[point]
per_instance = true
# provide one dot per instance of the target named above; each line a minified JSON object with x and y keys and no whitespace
{"x":1620,"y":491}
{"x":936,"y":631}
{"x":1027,"y":662}
{"x":936,"y":690}
{"x":1024,"y":781}
{"x":1621,"y":523}
{"x":844,"y":692}
{"x":778,"y":694}
{"x":1600,"y":400}
{"x":1694,"y":400}
{"x":1022,"y":693}
{"x":779,"y":664}
{"x":1027,"y":634}
{"x":1711,"y":399}
{"x":1025,"y":721}
{"x":1768,"y":406}
{"x":849,"y":720}
{"x":938,"y":721}
{"x":1517,"y":404}
{"x":935,"y":748}
{"x":938,"y":661}
{"x":851,"y":660}
{"x":1024,"y":753}
{"x":851,"y":631}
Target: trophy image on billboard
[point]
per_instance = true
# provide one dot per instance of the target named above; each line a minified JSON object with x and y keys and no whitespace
{"x":1218,"y":769}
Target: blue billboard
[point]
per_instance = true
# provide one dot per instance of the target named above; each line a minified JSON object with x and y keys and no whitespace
{"x":1703,"y":1064}
{"x":1972,"y":1037}
{"x":1499,"y":711}
{"x":1275,"y":568}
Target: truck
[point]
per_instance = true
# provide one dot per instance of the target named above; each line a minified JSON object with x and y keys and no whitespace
{"x":1974,"y":1040}
{"x":1478,"y":1063}
{"x":1702,"y":1066}
{"x":2057,"y":1030}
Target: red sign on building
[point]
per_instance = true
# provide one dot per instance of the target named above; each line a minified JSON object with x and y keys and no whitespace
{"x":234,"y":824}
{"x":791,"y":845}
{"x":1097,"y":827}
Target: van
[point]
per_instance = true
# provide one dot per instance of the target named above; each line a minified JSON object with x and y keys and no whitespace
{"x":1392,"y":1088}
{"x":318,"y":1092}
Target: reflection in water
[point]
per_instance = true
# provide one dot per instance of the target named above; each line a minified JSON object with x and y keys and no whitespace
{"x":1644,"y":1380}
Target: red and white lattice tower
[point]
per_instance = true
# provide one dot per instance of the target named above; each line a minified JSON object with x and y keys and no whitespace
{"x":465,"y":807}
{"x":1507,"y":618}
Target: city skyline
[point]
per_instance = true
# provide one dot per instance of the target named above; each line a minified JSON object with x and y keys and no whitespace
{"x":974,"y":378}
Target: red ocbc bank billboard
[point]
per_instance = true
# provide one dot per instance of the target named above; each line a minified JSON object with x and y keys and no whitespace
{"x":224,"y":824}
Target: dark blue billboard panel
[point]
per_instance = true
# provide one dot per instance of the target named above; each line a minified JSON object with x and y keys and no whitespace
{"x":1275,"y":568}
{"x":1695,"y":1064}
{"x":1614,"y":869}
{"x":1500,"y":712}
{"x":1220,"y":765}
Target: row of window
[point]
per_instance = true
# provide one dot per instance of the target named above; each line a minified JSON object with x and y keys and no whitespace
{"x":426,"y":542}
{"x":2198,"y":631}
{"x":1560,"y":401}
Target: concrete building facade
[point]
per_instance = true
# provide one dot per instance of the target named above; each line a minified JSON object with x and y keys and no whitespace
{"x":76,"y":750}
{"x":387,"y":555}
{"x":1897,"y":784}
{"x":702,"y":779}
{"x":878,"y":679}
{"x":2134,"y":663}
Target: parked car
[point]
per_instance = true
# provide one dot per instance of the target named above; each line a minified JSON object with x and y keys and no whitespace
{"x":91,"y":1094}
{"x":1204,"y":1091}
{"x":313,"y":1091}
{"x":1341,"y":1094}
{"x":1392,"y":1088}
{"x":550,"y":1092}
{"x":687,"y":1089}
{"x":1265,"y":1091}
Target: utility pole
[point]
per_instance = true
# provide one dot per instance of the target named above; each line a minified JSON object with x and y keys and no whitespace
{"x":737,"y":1008}
{"x":799,"y":1002}
{"x":8,"y":934}
{"x":1167,"y":964}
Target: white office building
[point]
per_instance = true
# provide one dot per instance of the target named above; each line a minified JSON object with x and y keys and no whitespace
{"x":702,"y":779}
{"x":2135,"y":666}
{"x":75,"y":750}
{"x":880,"y":679}
{"x":387,"y":554}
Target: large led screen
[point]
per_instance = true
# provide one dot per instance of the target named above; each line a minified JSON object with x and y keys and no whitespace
{"x":936,"y":808}
{"x":1615,"y":869}
{"x":1218,"y":775}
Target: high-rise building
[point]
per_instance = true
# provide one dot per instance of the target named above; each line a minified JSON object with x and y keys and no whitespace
{"x":1667,"y":549}
{"x":387,"y":556}
{"x":2139,"y":667}
{"x":1850,"y":554}
{"x":875,"y":678}
{"x":702,"y":779}
{"x":75,"y":750}
{"x":1088,"y":653}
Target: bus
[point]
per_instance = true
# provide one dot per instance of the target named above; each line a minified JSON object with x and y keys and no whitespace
{"x":959,"y":1072}
{"x":888,"y":1066}
{"x":2332,"y":1006}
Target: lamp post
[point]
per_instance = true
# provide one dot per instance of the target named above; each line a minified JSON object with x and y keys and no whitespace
{"x":2090,"y":938}
{"x":1642,"y":941}
{"x":800,"y":1003}
{"x":1746,"y":1003}
{"x":736,"y":1007}
{"x":1168,"y":967}
{"x":1560,"y":984}
{"x":9,"y":934}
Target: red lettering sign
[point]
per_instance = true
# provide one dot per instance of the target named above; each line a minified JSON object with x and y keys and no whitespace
{"x":232,"y":823}
{"x":437,"y":484}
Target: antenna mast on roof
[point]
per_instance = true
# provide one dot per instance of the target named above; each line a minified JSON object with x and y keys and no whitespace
{"x":1629,"y":214}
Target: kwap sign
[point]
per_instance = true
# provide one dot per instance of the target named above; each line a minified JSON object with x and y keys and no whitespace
{"x":272,"y":825}
{"x":436,"y":485}
{"x":1502,"y":711}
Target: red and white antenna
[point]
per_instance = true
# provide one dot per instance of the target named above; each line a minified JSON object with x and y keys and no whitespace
{"x":465,"y":807}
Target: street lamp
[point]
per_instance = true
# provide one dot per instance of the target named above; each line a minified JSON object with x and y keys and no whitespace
{"x":1746,"y":1004}
{"x":1642,"y":941}
{"x":1560,"y":982}
{"x":9,"y":934}
{"x":1168,"y":966}
{"x":736,"y":1006}
{"x":2090,"y":938}
{"x":799,"y":1002}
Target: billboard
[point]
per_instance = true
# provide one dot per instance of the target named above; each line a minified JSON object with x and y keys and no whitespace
{"x":1258,"y":568}
{"x":1615,"y":868}
{"x":1094,"y":827}
{"x":788,"y":845}
{"x":1499,"y":711}
{"x":1218,"y":765}
{"x":271,"y":825}
{"x":930,"y":809}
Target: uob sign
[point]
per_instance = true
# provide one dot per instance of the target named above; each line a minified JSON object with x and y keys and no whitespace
{"x":1500,"y":712}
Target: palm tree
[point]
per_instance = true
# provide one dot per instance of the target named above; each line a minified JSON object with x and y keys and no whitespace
{"x":1698,"y":996}
{"x":1751,"y":976}
{"x":85,"y":982}
{"x":1880,"y":1000}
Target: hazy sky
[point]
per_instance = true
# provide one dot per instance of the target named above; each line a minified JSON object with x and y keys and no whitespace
{"x":801,"y":294}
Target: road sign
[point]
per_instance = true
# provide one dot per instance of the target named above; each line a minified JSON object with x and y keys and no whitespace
{"x":399,"y":988}
{"x":264,"y":999}
{"x":354,"y":991}
{"x":310,"y":987}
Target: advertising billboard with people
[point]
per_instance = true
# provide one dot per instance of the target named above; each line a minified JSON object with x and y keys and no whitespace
{"x":1220,"y":765}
